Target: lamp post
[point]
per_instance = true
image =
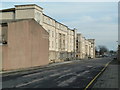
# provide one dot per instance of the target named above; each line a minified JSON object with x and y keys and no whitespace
{"x":118,"y":52}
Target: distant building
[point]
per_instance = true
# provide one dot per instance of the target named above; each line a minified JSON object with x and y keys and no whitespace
{"x":23,"y":44}
{"x":92,"y":48}
{"x":80,"y":47}
{"x":85,"y":48}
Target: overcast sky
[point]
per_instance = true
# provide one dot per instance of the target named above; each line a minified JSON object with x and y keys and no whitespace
{"x":96,"y":20}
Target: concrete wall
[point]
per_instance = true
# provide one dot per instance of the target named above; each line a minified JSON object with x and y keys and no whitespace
{"x":27,"y":45}
{"x":6,"y":15}
{"x":27,"y":14}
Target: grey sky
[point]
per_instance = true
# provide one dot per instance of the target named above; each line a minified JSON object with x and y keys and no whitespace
{"x":96,"y":20}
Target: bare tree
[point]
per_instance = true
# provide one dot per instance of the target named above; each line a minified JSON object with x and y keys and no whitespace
{"x":102,"y":50}
{"x":96,"y":50}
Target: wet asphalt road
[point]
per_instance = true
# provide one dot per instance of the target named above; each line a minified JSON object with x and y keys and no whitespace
{"x":76,"y":74}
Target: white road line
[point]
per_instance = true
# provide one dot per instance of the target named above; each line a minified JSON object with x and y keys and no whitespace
{"x":24,"y":84}
{"x":36,"y":73}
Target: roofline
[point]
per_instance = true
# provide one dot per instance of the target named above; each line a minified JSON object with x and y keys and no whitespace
{"x":54,"y":20}
{"x":8,"y":10}
{"x":28,"y":5}
{"x":91,"y":39}
{"x":79,"y":33}
{"x":13,"y":9}
{"x":49,"y":16}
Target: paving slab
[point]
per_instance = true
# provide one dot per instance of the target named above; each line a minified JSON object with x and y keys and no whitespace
{"x":110,"y":77}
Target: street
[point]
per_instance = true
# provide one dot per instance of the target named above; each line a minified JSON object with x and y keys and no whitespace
{"x":76,"y":74}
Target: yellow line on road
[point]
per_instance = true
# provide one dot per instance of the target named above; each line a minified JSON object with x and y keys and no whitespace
{"x":96,"y":76}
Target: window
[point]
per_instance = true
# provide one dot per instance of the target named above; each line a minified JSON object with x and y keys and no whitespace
{"x":48,"y":21}
{"x":76,"y":55}
{"x":49,"y":44}
{"x":0,"y":38}
{"x":76,"y":46}
{"x":51,"y":21}
{"x":49,"y":33}
{"x":58,"y":26}
{"x":52,"y":44}
{"x":52,"y":33}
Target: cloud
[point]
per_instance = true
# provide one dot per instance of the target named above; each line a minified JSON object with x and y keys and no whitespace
{"x":106,"y":19}
{"x":93,"y":20}
{"x":102,"y":29}
{"x":86,"y":19}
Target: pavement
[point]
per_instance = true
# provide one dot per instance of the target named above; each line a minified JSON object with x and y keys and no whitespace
{"x":109,"y":78}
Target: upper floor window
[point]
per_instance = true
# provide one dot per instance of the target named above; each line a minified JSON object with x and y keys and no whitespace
{"x":52,"y":33}
{"x":51,"y":21}
{"x":48,"y":21}
{"x":52,"y":44}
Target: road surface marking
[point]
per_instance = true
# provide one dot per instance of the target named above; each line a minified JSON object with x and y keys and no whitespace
{"x":36,"y":73}
{"x":67,"y":82}
{"x":36,"y":80}
{"x":96,"y":76}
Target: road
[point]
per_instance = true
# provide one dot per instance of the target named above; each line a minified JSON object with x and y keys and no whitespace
{"x":76,"y":74}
